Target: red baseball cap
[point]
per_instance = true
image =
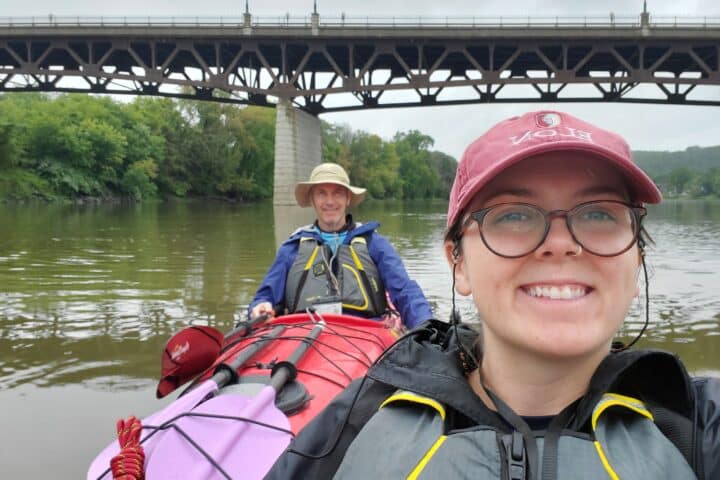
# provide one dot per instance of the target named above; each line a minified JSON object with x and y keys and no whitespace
{"x":187,"y":354}
{"x":533,"y":133}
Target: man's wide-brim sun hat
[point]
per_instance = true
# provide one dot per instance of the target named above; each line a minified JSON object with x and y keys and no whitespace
{"x":535,"y":133}
{"x":327,"y":173}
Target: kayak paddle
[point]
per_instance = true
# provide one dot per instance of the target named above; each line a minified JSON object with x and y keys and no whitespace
{"x":160,"y":423}
{"x":233,"y":435}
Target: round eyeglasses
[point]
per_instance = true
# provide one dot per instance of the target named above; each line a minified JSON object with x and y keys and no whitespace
{"x":604,"y":227}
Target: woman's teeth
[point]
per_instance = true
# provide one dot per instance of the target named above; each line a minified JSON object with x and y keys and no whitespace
{"x":566,"y":292}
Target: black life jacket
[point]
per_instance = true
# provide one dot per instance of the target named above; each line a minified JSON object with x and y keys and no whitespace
{"x":351,"y":277}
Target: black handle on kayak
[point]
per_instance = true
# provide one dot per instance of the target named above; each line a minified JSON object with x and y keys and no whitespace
{"x":226,"y":373}
{"x":286,"y":371}
{"x":242,"y":328}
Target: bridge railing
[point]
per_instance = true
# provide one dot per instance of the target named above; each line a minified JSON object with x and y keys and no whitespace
{"x":607,"y":21}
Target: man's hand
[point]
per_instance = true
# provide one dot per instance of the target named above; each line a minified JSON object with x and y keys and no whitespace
{"x":262,"y":308}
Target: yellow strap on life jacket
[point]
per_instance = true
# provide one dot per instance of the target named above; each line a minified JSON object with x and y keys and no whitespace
{"x":426,"y":458}
{"x":311,"y":260}
{"x":366,"y":301}
{"x":616,"y":400}
{"x":405,"y":396}
{"x":358,"y":279}
{"x":355,"y":258}
{"x":607,"y":401}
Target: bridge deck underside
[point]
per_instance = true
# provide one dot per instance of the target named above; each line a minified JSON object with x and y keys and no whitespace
{"x":331,"y":74}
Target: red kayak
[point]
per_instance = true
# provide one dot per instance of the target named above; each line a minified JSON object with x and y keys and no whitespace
{"x":264,"y":386}
{"x":342,"y":353}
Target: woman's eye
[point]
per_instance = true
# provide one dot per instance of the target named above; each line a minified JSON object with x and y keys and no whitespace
{"x":511,"y":217}
{"x":597,"y":216}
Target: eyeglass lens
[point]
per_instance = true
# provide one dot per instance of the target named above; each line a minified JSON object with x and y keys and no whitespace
{"x":515,"y":229}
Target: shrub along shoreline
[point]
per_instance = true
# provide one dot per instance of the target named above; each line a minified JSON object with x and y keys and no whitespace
{"x":87,"y":148}
{"x":84,"y":148}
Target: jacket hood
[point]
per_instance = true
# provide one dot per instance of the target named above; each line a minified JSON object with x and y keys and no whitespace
{"x":638,"y":373}
{"x":426,"y":361}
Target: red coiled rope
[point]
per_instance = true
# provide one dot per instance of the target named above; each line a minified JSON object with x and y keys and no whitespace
{"x":129,"y":463}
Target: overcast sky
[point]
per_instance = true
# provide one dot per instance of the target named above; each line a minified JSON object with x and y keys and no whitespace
{"x":646,"y":127}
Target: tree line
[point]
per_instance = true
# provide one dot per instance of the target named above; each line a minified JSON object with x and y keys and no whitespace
{"x":81,"y":146}
{"x":693,"y":172}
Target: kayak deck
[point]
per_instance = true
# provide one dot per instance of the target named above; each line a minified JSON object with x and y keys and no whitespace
{"x":343,"y":352}
{"x":210,"y":433}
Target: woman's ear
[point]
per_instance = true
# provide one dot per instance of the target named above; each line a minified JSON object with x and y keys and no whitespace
{"x":457,"y":266}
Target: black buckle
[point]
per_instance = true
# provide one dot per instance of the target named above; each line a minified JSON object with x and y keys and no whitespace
{"x":515,"y":454}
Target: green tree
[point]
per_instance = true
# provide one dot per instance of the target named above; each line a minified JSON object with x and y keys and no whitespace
{"x":81,"y":145}
{"x":9,"y":149}
{"x":231,"y":149}
{"x":445,"y":166}
{"x":416,"y":174}
{"x":678,"y":180}
{"x":714,"y":178}
{"x":137,"y":181}
{"x":256,"y":130}
{"x":701,"y":185}
{"x":169,"y":135}
{"x":336,"y":140}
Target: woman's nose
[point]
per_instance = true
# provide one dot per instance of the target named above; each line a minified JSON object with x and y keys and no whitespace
{"x":559,"y":241}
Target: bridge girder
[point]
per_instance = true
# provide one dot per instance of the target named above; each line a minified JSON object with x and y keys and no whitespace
{"x":332,"y":72}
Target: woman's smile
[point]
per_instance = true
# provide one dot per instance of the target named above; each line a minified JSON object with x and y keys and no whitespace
{"x":556,"y":291}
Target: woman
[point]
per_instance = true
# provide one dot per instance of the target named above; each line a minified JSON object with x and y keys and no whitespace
{"x":337,"y":263}
{"x":545,"y":232}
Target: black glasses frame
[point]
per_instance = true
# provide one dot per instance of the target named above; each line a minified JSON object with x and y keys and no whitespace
{"x":637,"y":211}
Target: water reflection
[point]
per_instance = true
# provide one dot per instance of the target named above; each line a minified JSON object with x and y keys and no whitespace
{"x":89,"y":294}
{"x":89,"y":286}
{"x":684,"y":279}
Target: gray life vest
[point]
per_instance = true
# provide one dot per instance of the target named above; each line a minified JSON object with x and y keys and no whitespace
{"x":406,"y":439}
{"x":353,"y":277}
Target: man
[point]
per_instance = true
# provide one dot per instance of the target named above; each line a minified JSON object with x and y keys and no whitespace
{"x":338,"y":260}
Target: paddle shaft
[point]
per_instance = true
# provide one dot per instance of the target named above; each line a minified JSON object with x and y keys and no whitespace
{"x":242,"y":328}
{"x":283,"y":371}
{"x":281,"y":374}
{"x":223,"y":376}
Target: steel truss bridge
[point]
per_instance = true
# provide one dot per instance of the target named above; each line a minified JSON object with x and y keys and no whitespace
{"x":358,"y":63}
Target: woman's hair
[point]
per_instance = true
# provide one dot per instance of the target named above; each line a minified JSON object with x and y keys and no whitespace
{"x":454,"y":233}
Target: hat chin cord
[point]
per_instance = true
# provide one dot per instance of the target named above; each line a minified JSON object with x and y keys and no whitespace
{"x":619,"y":346}
{"x":467,"y":359}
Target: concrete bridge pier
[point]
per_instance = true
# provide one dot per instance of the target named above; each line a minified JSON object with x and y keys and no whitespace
{"x":298,"y":149}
